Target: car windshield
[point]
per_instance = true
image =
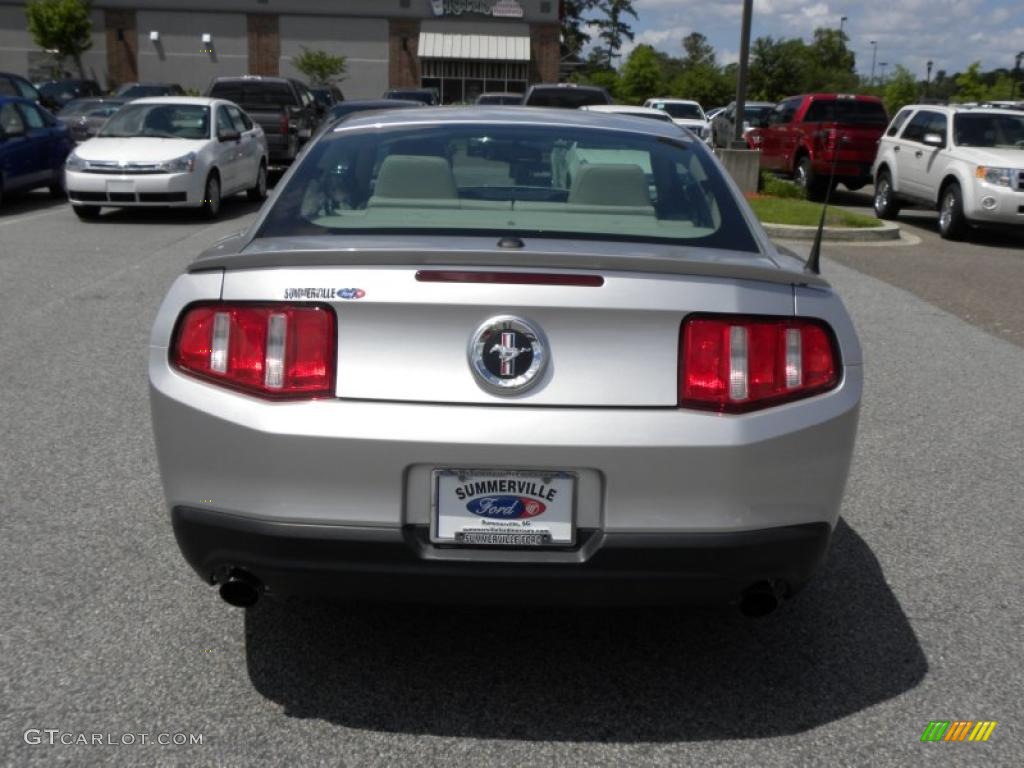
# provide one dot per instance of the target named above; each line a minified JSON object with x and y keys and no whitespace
{"x":500,"y":179}
{"x":755,"y":112}
{"x":991,"y":130}
{"x":682,"y":111}
{"x":164,"y":121}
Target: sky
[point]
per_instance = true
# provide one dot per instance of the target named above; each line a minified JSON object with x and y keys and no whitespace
{"x":952,"y":33}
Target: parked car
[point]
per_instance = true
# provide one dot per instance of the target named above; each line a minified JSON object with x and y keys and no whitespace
{"x":415,"y":377}
{"x":806,"y":136}
{"x":723,"y":124}
{"x":33,"y":146}
{"x":283,"y":107}
{"x":18,"y":86}
{"x":60,"y":92}
{"x":685,"y":113}
{"x":85,"y":117}
{"x":499,"y":98}
{"x":565,"y":95}
{"x":625,"y":109}
{"x":129,"y":91}
{"x":173,"y":151}
{"x":427,"y":96}
{"x":967,"y":163}
{"x":327,"y":96}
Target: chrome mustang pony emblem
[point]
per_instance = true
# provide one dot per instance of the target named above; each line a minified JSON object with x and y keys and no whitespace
{"x":507,"y":354}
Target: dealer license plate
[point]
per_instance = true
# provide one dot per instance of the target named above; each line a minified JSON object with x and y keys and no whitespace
{"x":503,"y":508}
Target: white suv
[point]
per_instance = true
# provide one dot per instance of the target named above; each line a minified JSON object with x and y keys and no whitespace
{"x":967,"y":163}
{"x":684,"y":113}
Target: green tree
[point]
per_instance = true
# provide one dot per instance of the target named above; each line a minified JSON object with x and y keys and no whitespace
{"x":613,"y":28}
{"x":831,"y":66}
{"x":574,"y":37}
{"x":320,"y":67}
{"x":900,"y":89}
{"x":969,"y":86}
{"x":641,"y":76}
{"x":778,"y":68}
{"x":698,"y":52}
{"x":62,"y":26}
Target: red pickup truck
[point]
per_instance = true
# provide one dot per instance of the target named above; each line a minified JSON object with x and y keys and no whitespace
{"x":801,"y":136}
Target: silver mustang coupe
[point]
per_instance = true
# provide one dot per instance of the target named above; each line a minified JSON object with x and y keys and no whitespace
{"x":504,"y":356}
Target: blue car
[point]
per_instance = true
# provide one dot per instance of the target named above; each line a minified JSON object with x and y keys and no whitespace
{"x":33,"y":147}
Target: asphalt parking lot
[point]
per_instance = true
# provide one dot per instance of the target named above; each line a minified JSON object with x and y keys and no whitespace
{"x":916,"y":615}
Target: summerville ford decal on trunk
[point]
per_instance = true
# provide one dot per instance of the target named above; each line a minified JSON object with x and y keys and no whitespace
{"x":506,"y":507}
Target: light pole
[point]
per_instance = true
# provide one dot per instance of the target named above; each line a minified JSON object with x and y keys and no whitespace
{"x":842,"y":21}
{"x":882,"y":65}
{"x":928,"y":79}
{"x":874,"y":53}
{"x":1020,"y":85}
{"x":741,"y":78}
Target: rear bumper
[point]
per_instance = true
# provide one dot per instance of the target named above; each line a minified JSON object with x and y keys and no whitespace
{"x":401,"y":564}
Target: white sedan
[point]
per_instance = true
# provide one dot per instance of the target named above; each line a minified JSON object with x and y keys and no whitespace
{"x":169,"y":151}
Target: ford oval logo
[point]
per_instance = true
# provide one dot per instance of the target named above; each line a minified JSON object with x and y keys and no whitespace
{"x":506,"y":507}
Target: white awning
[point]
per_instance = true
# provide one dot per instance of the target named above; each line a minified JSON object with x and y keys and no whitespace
{"x":444,"y":45}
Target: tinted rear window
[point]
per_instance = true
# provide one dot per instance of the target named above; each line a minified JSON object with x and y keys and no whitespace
{"x":850,"y":111}
{"x":255,"y":96}
{"x":568,"y":98}
{"x":681,"y":111}
{"x":496,"y":179}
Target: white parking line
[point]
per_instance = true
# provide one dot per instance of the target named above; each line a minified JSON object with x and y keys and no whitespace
{"x":19,"y":219}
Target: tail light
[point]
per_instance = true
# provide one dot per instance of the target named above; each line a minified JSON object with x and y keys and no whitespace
{"x":734,"y":363}
{"x":271,"y":350}
{"x":285,"y":124}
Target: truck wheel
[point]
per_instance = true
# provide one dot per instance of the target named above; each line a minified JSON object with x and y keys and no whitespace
{"x":813,"y":185}
{"x":952,"y":223}
{"x":886,"y":206}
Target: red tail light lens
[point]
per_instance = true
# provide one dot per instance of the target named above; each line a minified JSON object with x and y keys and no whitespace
{"x":735,"y":364}
{"x":271,"y":350}
{"x":285,"y":124}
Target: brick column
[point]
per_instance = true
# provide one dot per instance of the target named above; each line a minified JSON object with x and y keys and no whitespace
{"x":264,"y":40}
{"x":122,"y":47}
{"x":403,"y":59}
{"x":545,"y":53}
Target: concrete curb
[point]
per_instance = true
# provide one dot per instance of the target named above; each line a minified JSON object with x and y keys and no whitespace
{"x":888,"y":231}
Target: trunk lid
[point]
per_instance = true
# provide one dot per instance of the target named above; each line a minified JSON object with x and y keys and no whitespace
{"x":403,"y":339}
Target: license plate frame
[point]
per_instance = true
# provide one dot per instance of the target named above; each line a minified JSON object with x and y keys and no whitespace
{"x":512,"y":523}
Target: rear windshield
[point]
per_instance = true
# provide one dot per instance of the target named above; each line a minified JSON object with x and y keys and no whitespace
{"x":504,"y":99}
{"x":483,"y":178}
{"x":681,"y":111}
{"x":849,"y":111}
{"x":569,"y":98}
{"x":255,"y":96}
{"x":995,"y":131}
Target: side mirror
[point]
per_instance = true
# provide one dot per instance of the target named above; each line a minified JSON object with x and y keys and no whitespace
{"x":229,"y":135}
{"x":933,"y":140}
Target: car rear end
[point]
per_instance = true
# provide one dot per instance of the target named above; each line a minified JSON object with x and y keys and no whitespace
{"x":273,"y":104}
{"x":443,"y":409}
{"x":845,"y":130}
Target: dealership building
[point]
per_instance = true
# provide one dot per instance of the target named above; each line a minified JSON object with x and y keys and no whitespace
{"x":460,"y":47}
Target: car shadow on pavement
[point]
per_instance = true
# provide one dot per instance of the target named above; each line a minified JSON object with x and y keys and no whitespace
{"x":622,"y":675}
{"x":29,"y":202}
